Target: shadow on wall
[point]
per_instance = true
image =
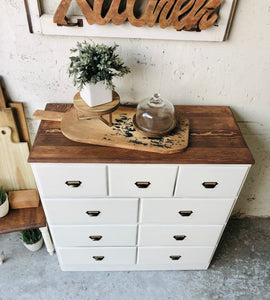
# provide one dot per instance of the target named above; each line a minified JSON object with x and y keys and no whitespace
{"x":4,"y":89}
{"x":253,"y":197}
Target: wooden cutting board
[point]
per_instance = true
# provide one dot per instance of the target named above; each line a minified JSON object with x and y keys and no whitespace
{"x":19,"y":115}
{"x":7,"y":119}
{"x":15,"y":171}
{"x":122,"y":134}
{"x":2,"y":99}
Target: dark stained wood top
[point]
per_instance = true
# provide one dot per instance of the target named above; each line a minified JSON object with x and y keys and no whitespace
{"x":21,"y":219}
{"x":215,"y":138}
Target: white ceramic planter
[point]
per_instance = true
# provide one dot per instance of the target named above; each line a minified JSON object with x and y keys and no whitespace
{"x":96,"y":94}
{"x":34,"y":247}
{"x":4,"y":208}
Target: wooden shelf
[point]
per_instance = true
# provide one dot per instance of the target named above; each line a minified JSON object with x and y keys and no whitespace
{"x":21,"y":219}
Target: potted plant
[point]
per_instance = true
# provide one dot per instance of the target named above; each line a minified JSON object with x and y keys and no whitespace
{"x":32,"y":239}
{"x":93,"y":69}
{"x":4,"y":204}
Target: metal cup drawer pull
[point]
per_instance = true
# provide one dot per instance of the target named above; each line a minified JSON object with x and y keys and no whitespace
{"x":95,"y":237}
{"x":98,"y":258}
{"x":93,"y":213}
{"x":73,"y":183}
{"x":142,"y":184}
{"x":185,"y":213}
{"x":209,"y":185}
{"x":175,"y":257}
{"x":179,"y":237}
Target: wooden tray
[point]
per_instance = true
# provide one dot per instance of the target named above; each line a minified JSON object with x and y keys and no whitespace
{"x":122,"y":134}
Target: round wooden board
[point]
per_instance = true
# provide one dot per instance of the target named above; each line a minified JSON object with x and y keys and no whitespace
{"x":122,"y":134}
{"x":99,"y":110}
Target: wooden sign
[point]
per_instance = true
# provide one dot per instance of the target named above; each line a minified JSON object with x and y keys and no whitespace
{"x":180,"y":14}
{"x":196,"y":20}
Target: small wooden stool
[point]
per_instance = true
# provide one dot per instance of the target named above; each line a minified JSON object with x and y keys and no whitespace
{"x":85,"y":112}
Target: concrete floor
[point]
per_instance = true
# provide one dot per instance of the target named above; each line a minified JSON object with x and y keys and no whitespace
{"x":240,"y":269}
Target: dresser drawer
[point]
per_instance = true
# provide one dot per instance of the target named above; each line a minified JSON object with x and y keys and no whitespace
{"x":185,"y":211}
{"x":91,"y":211}
{"x":210,"y":181}
{"x":175,"y":235}
{"x":142,"y":180}
{"x":93,"y":235}
{"x":175,"y":255}
{"x":71,"y":180}
{"x":97,"y":256}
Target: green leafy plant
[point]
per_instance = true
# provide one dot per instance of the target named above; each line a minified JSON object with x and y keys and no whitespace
{"x":30,"y":236}
{"x":2,"y":195}
{"x":95,"y":63}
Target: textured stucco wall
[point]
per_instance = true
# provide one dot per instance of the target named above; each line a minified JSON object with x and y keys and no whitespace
{"x":235,"y":73}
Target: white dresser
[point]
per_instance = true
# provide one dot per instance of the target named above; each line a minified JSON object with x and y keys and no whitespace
{"x":115,"y":209}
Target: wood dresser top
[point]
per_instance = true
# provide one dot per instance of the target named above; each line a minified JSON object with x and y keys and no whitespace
{"x":215,"y":138}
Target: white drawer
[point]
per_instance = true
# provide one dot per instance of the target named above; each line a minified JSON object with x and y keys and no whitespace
{"x":175,"y":235}
{"x":185,"y":211}
{"x":97,"y":256}
{"x":91,"y":211}
{"x":92,"y":235}
{"x":142,"y":180}
{"x":175,"y":255}
{"x":210,"y":181}
{"x":71,"y":180}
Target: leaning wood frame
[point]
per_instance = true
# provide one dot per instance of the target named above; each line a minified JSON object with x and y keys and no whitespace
{"x":43,"y":24}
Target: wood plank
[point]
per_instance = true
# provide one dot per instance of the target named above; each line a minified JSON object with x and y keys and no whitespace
{"x":215,"y":138}
{"x":21,"y":219}
{"x":20,"y":119}
{"x":15,"y":172}
{"x":49,"y":115}
{"x":35,"y":13}
{"x":229,"y":23}
{"x":23,"y":199}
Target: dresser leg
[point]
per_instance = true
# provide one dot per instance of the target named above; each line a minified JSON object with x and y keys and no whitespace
{"x":47,"y":239}
{"x":2,"y":257}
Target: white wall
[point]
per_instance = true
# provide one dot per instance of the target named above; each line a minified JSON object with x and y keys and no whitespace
{"x":234,"y":73}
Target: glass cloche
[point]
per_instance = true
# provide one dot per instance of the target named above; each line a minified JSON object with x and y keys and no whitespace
{"x":155,"y":117}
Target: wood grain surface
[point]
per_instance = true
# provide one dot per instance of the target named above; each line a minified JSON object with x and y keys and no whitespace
{"x":23,"y":199}
{"x":19,"y":115}
{"x":121,"y":134}
{"x":21,"y":219}
{"x":99,"y":110}
{"x":2,"y":99}
{"x":15,"y":172}
{"x":214,"y":138}
{"x":7,"y":119}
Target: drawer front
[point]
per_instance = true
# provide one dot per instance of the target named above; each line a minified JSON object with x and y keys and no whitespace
{"x":71,"y":180}
{"x":184,"y":235}
{"x":185,"y":211}
{"x":146,"y":181}
{"x":97,"y":256}
{"x":175,"y":255}
{"x":76,"y":236}
{"x":210,"y":181}
{"x":94,"y":211}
